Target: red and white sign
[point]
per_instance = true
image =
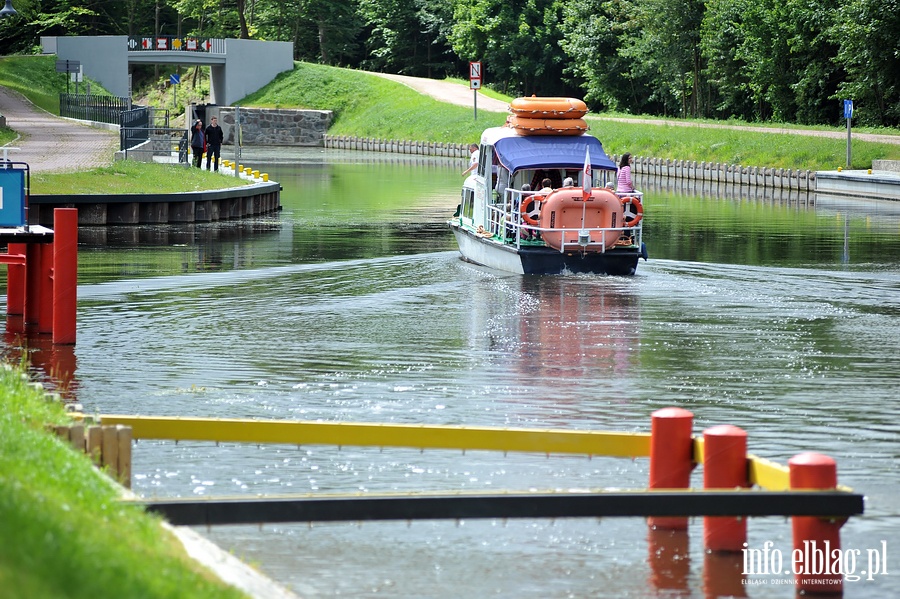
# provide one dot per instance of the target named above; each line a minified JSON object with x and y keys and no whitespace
{"x":206,"y":45}
{"x":191,"y":44}
{"x":587,"y":175}
{"x":475,"y":75}
{"x":147,"y":43}
{"x":162,"y":43}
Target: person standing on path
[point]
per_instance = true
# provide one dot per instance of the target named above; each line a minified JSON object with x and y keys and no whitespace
{"x":198,"y":142}
{"x":214,"y":139}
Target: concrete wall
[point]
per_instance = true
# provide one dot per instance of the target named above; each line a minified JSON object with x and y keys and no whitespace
{"x":249,"y":65}
{"x":103,"y":58}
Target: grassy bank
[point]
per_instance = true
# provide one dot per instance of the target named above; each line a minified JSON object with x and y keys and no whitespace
{"x":369,"y":106}
{"x":64,"y":532}
{"x":126,"y":176}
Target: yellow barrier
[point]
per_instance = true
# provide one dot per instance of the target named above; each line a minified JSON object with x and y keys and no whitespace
{"x":593,"y":443}
{"x":761,"y":472}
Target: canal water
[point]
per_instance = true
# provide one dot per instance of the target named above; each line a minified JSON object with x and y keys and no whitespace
{"x":776,"y":312}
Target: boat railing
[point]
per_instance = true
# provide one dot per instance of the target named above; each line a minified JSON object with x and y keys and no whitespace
{"x":506,"y":222}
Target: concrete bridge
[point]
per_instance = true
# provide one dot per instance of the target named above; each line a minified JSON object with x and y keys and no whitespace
{"x":237,"y":67}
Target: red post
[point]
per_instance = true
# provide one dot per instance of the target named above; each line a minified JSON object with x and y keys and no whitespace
{"x":671,"y":457}
{"x":723,"y":575}
{"x":724,"y":467}
{"x":65,"y":274}
{"x":33,"y":282}
{"x":670,"y":562}
{"x":15,"y":282}
{"x":45,"y":301}
{"x":817,"y":541}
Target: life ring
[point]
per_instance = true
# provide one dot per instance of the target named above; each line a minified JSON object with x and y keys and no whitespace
{"x":633,"y":210}
{"x":531,"y":210}
{"x":548,"y":108}
{"x":546,"y":126}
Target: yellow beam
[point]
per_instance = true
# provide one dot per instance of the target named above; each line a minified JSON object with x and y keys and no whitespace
{"x":594,"y":443}
{"x":767,"y":474}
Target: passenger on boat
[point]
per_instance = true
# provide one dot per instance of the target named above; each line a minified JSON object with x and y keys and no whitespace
{"x":623,"y":180}
{"x":568,"y":182}
{"x":512,"y":207}
{"x":473,"y":159}
{"x":546,"y":186}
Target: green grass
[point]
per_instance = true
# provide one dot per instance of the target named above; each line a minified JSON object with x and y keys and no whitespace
{"x":6,"y":136}
{"x":65,"y":533}
{"x":126,"y":176}
{"x":35,"y":77}
{"x":369,"y":106}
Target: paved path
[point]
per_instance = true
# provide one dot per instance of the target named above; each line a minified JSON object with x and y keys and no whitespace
{"x":49,"y":143}
{"x":446,"y":91}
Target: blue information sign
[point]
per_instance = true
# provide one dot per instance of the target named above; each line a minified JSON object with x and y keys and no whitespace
{"x":12,"y":197}
{"x":848,"y":109}
{"x":175,"y":79}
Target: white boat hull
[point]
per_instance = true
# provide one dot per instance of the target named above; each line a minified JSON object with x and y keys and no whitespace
{"x":542,"y":260}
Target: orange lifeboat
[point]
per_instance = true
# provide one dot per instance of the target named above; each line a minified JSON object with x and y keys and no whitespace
{"x":532,"y":126}
{"x":566,"y":209}
{"x":560,"y":108}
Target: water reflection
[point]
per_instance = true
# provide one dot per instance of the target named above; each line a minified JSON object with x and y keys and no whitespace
{"x":776,"y":314}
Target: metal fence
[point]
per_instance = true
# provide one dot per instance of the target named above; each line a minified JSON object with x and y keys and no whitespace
{"x":155,"y":144}
{"x":101,"y":109}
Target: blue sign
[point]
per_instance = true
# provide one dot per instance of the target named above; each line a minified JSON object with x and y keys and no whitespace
{"x":12,"y":197}
{"x":848,"y":109}
{"x":175,"y":79}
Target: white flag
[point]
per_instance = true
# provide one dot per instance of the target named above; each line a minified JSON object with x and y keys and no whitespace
{"x":587,"y":176}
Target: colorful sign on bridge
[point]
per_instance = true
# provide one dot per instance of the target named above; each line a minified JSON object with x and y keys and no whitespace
{"x":168,"y":43}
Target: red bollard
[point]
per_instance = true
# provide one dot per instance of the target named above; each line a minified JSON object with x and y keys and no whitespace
{"x":817,"y":541}
{"x":65,"y":274}
{"x":671,"y":457}
{"x":724,"y":467}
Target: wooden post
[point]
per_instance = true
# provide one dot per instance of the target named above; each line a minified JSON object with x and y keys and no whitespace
{"x":123,"y":470}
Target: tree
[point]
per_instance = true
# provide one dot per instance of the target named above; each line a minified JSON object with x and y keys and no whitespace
{"x":867,"y":33}
{"x":593,"y":31}
{"x":518,"y":43}
{"x":408,"y":36}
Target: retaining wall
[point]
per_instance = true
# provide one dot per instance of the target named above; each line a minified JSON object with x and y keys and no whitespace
{"x":272,"y":126}
{"x":138,"y":209}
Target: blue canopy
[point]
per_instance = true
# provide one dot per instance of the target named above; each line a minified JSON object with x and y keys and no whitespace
{"x":542,"y":151}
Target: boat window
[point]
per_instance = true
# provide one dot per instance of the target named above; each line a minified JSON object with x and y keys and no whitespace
{"x":467,"y":202}
{"x":485,"y":158}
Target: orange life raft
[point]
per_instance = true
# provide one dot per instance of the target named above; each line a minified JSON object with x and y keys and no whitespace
{"x":535,"y":107}
{"x":530,"y":126}
{"x":566,"y":209}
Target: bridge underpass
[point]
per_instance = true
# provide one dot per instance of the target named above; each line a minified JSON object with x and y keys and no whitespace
{"x":237,"y":67}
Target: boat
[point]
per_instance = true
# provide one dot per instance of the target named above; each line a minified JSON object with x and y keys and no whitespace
{"x":507,"y":220}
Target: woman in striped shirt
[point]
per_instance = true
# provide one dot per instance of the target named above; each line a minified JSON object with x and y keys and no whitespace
{"x":623,"y":181}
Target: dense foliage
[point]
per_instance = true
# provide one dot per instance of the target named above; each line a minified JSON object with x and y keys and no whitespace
{"x":756,"y":60}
